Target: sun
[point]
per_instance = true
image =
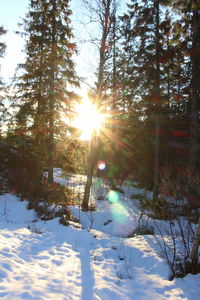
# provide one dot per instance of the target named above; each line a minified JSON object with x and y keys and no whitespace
{"x":89,"y":119}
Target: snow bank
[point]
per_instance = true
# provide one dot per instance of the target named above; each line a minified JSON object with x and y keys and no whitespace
{"x":45,"y":260}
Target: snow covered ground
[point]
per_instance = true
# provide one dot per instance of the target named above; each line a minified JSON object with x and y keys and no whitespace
{"x":46,"y":260}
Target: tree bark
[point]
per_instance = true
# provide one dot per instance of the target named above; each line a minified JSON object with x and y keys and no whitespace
{"x":194,"y":126}
{"x":91,"y":159}
{"x":194,"y":252}
{"x":52,"y":100}
{"x":157,"y":94}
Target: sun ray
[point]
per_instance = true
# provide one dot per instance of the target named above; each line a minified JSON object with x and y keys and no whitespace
{"x":88,"y":118}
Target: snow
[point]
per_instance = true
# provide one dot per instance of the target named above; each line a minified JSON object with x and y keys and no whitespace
{"x":45,"y":260}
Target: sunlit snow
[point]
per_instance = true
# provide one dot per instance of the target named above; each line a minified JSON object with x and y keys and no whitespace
{"x":43,"y":260}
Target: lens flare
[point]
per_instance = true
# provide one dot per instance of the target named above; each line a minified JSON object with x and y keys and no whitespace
{"x":123,"y":224}
{"x":119,"y":213}
{"x":101,"y":165}
{"x":113,"y":196}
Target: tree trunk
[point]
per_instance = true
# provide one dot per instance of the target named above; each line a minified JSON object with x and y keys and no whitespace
{"x":102,"y":59}
{"x":194,"y":128}
{"x":52,"y":101}
{"x":91,"y":160}
{"x":51,"y":150}
{"x":156,"y":155}
{"x":158,"y":105}
{"x":194,"y":252}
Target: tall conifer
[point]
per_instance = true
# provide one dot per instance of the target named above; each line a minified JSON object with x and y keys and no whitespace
{"x":143,"y":48}
{"x":2,"y":51}
{"x":44,"y":86}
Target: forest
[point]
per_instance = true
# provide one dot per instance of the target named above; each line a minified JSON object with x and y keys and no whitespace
{"x":131,"y":134}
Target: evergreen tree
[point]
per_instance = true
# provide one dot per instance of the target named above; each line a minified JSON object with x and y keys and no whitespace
{"x":190,"y":17}
{"x":46,"y":77}
{"x":157,"y":78}
{"x":186,"y":41}
{"x":143,"y":26}
{"x":2,"y":111}
{"x":195,"y":85}
{"x":2,"y":87}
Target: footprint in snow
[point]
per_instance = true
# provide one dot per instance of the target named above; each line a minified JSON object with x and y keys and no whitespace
{"x":3,"y":294}
{"x":3,"y":274}
{"x":43,"y":257}
{"x":98,"y":258}
{"x":7,"y":267}
{"x":57,"y":262}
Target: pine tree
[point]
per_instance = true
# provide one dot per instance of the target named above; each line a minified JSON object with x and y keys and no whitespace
{"x":143,"y":50}
{"x":195,"y":85}
{"x":2,"y":110}
{"x":190,"y":15}
{"x":44,"y":86}
{"x":2,"y":86}
{"x":185,"y":72}
{"x":113,"y":99}
{"x":156,"y":78}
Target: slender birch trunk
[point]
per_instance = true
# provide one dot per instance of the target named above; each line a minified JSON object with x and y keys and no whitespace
{"x":106,"y":7}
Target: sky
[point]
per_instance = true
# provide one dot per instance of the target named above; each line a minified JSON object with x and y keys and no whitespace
{"x":13,"y":11}
{"x":10,"y":13}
